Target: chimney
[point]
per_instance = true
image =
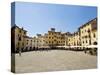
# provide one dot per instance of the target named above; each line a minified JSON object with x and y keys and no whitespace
{"x":53,"y":29}
{"x":22,"y":28}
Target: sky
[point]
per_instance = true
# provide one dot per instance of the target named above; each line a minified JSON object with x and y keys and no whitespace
{"x":40,"y":17}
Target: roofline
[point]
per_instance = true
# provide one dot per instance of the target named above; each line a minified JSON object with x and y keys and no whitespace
{"x":87,"y":23}
{"x":18,"y":28}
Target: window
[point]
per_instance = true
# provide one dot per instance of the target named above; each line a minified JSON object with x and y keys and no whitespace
{"x":24,"y":32}
{"x":19,"y":31}
{"x":18,"y":43}
{"x":18,"y":35}
{"x":85,"y":30}
{"x":89,"y":42}
{"x":55,"y":36}
{"x":31,"y":41}
{"x":82,"y":31}
{"x":57,"y":42}
{"x":52,"y":42}
{"x":86,"y":41}
{"x":83,"y":42}
{"x":17,"y":48}
{"x":86,"y":36}
{"x":88,"y":30}
{"x":19,"y":38}
{"x":89,"y":36}
{"x":95,"y":43}
{"x":94,"y":35}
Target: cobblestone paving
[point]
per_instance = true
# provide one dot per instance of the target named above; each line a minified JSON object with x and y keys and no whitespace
{"x":54,"y":60}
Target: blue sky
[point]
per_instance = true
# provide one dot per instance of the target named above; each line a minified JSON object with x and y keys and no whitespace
{"x":39,"y":17}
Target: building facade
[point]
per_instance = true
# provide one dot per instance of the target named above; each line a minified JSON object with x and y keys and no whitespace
{"x":28,"y":43}
{"x":86,"y":35}
{"x":70,"y":39}
{"x":41,"y":41}
{"x":87,"y":31}
{"x":54,"y":38}
{"x":94,"y":33}
{"x":76,"y":39}
{"x":17,"y":37}
{"x":35,"y":43}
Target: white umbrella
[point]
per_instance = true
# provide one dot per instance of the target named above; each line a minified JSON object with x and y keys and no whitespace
{"x":92,"y":46}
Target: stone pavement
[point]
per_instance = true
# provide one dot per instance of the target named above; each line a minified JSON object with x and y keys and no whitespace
{"x":54,"y":60}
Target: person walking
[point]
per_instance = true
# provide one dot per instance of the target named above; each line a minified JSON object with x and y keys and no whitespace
{"x":19,"y":52}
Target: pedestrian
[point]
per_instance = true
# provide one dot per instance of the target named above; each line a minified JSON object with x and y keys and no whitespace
{"x":19,"y":52}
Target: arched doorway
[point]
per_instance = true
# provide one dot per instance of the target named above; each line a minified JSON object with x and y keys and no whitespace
{"x":95,"y":43}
